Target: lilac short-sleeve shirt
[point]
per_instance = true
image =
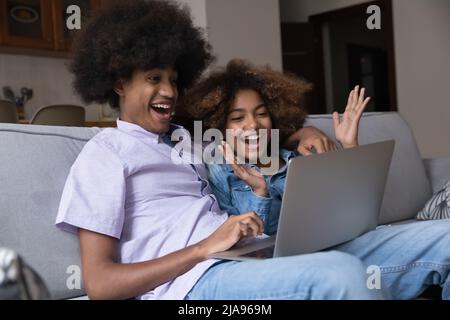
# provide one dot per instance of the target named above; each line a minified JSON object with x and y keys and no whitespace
{"x":125,"y":185}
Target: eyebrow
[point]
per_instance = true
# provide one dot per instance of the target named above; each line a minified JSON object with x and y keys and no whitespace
{"x":242,"y":109}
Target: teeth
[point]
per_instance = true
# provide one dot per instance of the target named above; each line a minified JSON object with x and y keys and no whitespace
{"x":160,"y":105}
{"x":252,"y":137}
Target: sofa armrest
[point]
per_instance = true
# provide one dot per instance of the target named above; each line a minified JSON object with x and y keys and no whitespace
{"x":438,"y":171}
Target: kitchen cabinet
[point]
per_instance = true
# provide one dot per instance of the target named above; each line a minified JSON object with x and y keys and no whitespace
{"x":40,"y":24}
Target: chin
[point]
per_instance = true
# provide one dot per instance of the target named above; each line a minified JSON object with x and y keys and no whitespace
{"x":251,"y":156}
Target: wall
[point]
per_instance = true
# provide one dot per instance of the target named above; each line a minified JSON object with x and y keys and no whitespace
{"x":422,"y":46}
{"x":198,"y":11}
{"x":422,"y":49}
{"x":246,"y":29}
{"x":48,"y":77}
{"x":236,"y":28}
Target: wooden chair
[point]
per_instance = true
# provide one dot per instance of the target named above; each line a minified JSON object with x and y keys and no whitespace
{"x":60,"y":115}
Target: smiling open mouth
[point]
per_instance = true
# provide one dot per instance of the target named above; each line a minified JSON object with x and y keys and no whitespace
{"x":253,"y":139}
{"x":163,"y":111}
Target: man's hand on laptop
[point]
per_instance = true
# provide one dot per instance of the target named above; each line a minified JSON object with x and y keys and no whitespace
{"x":231,"y":231}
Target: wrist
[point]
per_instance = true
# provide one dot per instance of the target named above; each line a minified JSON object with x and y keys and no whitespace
{"x":262,"y":192}
{"x":349,"y":145}
{"x":201,"y":251}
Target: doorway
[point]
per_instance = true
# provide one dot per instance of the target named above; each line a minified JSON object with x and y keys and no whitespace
{"x":336,"y":51}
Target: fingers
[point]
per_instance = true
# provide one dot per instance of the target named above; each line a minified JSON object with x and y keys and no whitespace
{"x":248,"y":229}
{"x":319,"y":146}
{"x":332,"y":146}
{"x":361,"y":97}
{"x":352,"y":98}
{"x":336,"y":120}
{"x":303,"y":150}
{"x":254,"y":222}
{"x":361,"y":107}
{"x":239,"y":171}
{"x":356,"y":101}
{"x":252,"y":171}
{"x":249,"y":224}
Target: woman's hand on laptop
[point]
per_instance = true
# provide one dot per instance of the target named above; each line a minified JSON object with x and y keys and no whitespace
{"x":231,"y":231}
{"x":346,"y":129}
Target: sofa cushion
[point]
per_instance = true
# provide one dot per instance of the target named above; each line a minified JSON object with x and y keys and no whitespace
{"x":438,"y":207}
{"x":35,"y":161}
{"x":407,"y":187}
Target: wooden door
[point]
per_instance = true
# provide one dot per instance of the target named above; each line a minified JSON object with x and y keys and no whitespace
{"x":300,"y":57}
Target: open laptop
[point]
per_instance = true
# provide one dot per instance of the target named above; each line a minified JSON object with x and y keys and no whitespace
{"x":328,"y":199}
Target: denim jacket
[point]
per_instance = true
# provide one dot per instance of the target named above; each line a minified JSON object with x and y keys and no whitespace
{"x":236,"y":197}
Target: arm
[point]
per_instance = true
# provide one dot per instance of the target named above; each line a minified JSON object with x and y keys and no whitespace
{"x":254,"y":202}
{"x":105,"y":278}
{"x":306,"y":139}
{"x":260,"y":205}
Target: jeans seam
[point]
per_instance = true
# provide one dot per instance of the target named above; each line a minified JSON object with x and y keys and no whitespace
{"x":401,"y":268}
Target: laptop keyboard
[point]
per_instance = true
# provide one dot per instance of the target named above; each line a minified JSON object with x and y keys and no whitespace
{"x":261,"y":253}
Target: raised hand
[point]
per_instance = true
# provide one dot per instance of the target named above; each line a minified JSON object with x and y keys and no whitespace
{"x":346,"y":129}
{"x":249,"y":175}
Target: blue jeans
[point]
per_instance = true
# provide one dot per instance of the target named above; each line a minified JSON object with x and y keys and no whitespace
{"x":410,"y":257}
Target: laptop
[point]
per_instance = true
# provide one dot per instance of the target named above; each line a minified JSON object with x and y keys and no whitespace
{"x":329,"y":199}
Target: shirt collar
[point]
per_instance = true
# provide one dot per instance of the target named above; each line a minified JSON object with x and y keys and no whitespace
{"x":138,"y":131}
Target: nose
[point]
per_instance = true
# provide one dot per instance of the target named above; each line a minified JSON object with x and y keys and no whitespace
{"x":167,"y":89}
{"x":251,"y":124}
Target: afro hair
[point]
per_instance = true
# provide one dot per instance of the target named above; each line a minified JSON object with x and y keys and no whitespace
{"x":136,"y":35}
{"x":212,"y":97}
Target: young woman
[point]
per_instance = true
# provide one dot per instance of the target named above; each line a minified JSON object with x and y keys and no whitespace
{"x":249,"y":102}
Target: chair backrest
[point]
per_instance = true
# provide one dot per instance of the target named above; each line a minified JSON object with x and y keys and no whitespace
{"x":8,"y":112}
{"x":60,"y":115}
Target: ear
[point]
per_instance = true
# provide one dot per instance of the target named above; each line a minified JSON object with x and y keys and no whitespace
{"x":118,"y":88}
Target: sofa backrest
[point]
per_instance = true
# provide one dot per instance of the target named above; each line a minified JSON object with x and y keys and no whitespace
{"x":407,"y":186}
{"x":35,"y":161}
{"x":34,"y":164}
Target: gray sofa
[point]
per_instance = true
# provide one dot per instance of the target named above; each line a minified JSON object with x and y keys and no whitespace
{"x":35,"y":161}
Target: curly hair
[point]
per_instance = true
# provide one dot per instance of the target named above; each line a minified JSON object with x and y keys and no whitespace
{"x":136,"y":35}
{"x":210,"y":99}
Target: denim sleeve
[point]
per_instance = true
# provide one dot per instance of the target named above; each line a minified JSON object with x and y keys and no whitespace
{"x":262,"y":207}
{"x":250,"y":202}
{"x":221,"y":189}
